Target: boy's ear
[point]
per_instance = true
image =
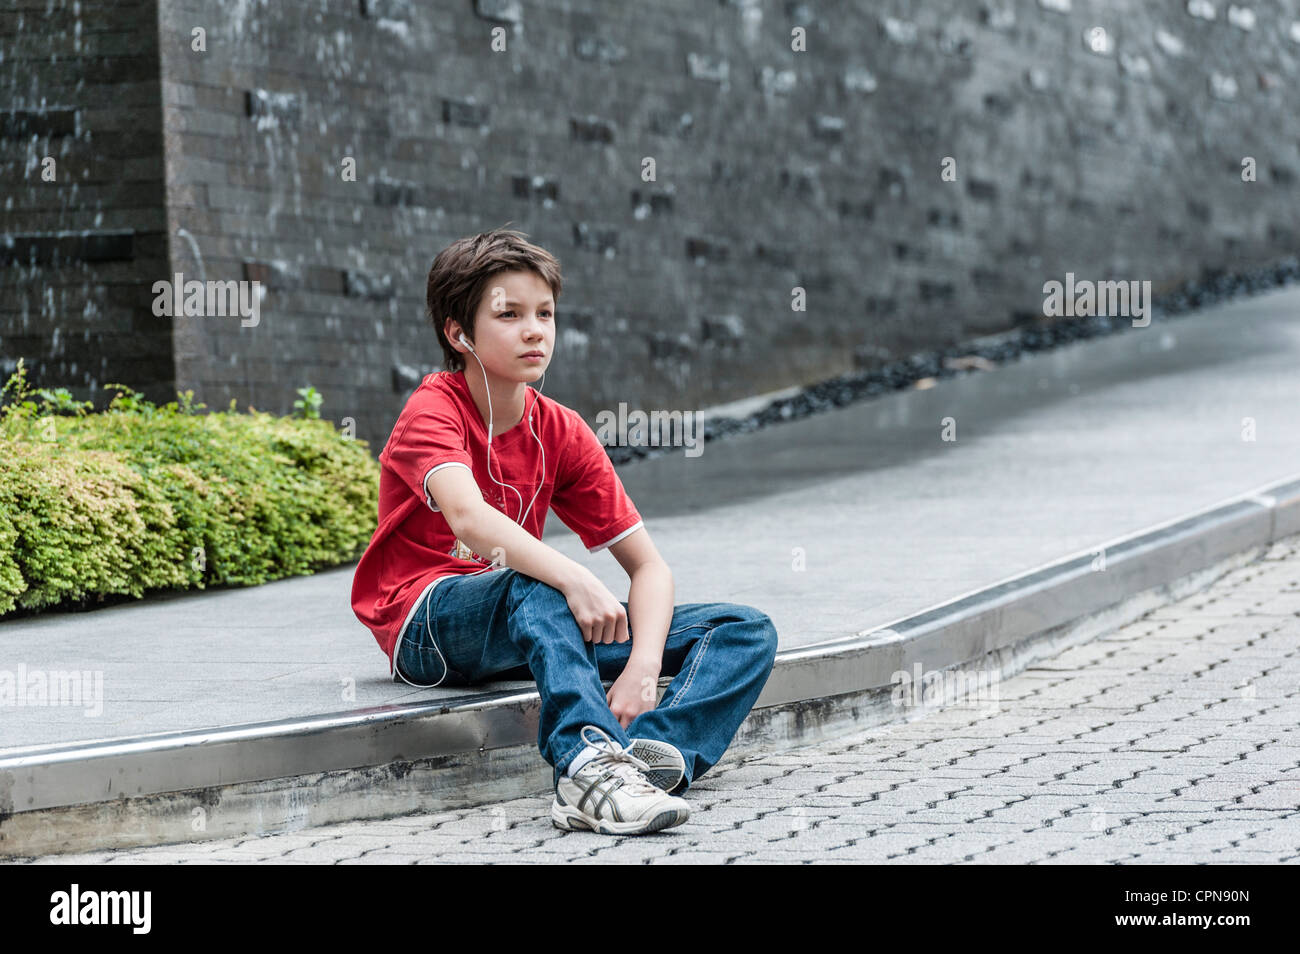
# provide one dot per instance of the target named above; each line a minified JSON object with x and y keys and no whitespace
{"x":453,"y":331}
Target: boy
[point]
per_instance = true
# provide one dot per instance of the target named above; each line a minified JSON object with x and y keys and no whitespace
{"x":475,"y":460}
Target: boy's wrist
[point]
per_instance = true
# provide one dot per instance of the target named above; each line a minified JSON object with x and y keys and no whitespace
{"x":569,"y":574}
{"x":643,"y":664}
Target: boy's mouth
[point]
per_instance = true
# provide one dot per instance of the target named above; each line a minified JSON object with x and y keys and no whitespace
{"x":532,"y":354}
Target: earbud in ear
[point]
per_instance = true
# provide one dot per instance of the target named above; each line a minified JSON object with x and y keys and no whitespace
{"x":462,"y":340}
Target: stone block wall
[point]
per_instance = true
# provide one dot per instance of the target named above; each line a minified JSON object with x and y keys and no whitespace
{"x":83,"y":226}
{"x":797,"y":154}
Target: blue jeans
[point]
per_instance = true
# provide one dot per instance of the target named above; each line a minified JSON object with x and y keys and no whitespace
{"x":505,"y":624}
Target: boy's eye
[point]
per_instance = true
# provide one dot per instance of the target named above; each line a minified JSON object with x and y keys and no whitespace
{"x":510,"y":314}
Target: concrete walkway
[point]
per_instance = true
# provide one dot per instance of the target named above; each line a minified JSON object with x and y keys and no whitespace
{"x":1054,"y":455}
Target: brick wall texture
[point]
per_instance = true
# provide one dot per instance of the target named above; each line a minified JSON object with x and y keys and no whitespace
{"x":696,"y":167}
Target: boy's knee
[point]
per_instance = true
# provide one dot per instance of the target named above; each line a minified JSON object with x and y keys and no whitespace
{"x":769,"y":640}
{"x":762,"y":630}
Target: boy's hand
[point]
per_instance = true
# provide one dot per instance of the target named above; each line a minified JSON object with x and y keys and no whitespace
{"x":635,"y":691}
{"x":598,"y":614}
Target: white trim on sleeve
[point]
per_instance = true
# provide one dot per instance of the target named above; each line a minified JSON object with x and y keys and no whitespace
{"x":607,"y":543}
{"x":425,"y":483}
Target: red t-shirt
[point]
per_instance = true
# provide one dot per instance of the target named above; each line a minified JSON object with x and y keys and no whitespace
{"x":440,"y":426}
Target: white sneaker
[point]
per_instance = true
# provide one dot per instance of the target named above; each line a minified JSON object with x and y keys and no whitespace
{"x":611,"y":795}
{"x":666,"y":766}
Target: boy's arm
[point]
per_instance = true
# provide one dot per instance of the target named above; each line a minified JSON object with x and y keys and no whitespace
{"x":649,"y":600}
{"x":490,"y":532}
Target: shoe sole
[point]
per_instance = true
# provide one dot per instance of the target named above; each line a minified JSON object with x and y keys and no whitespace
{"x":665,"y":766}
{"x":570,"y":819}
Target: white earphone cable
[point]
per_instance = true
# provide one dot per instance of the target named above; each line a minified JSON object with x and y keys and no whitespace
{"x":428,"y":625}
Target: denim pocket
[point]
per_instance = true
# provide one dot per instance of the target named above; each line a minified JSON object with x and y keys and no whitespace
{"x":420,"y":657}
{"x":433,"y":665}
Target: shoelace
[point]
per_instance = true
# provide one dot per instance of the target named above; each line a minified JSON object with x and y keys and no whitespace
{"x":620,"y":762}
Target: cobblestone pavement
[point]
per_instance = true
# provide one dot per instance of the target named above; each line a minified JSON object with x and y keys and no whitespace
{"x":1173,"y":739}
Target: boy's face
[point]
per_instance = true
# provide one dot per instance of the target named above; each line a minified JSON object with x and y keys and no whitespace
{"x":515,"y":316}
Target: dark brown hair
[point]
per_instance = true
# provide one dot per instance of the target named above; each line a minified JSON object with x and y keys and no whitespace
{"x":462,"y":271}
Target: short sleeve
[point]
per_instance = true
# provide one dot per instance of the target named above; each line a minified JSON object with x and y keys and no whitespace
{"x":589,"y":496}
{"x":426,"y":441}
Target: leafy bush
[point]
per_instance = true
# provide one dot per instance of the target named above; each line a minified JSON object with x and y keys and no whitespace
{"x":141,"y":497}
{"x":308,"y":403}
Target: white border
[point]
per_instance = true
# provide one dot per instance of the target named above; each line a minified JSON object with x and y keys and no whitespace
{"x":607,"y":543}
{"x":425,"y":483}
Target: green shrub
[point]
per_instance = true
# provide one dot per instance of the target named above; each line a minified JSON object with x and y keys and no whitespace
{"x":308,"y":403}
{"x":141,"y":497}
